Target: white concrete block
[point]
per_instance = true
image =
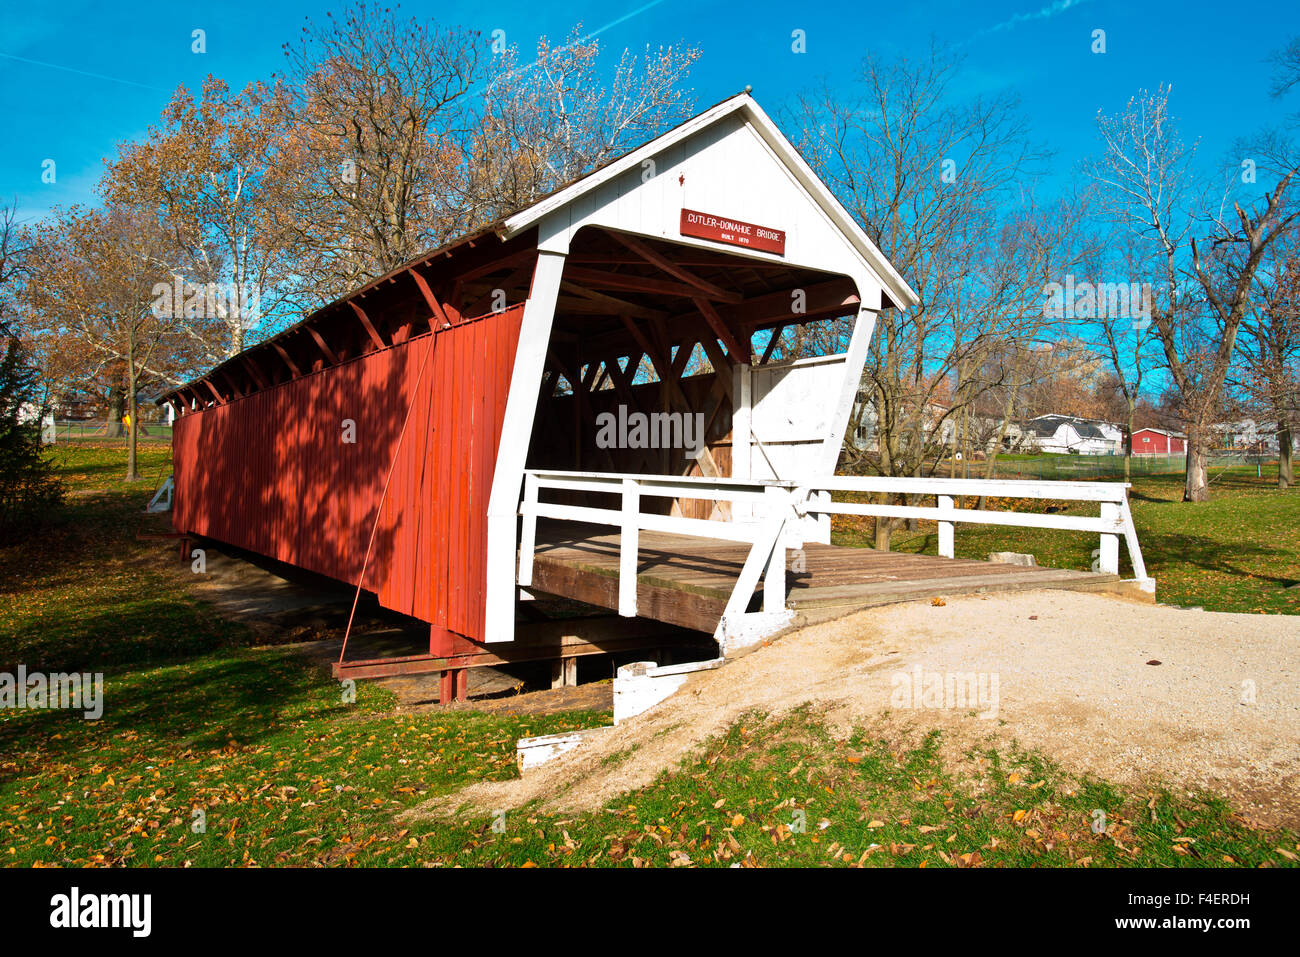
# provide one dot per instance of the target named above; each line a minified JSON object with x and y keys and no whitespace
{"x":530,"y":752}
{"x":641,"y":685}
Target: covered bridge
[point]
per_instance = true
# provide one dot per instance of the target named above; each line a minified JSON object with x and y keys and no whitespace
{"x":581,"y":401}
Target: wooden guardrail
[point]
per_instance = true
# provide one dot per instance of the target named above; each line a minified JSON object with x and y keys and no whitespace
{"x":773,"y":506}
{"x":1114,"y":522}
{"x":781,"y":510}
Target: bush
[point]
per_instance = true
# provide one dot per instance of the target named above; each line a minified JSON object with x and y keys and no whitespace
{"x":29,"y":489}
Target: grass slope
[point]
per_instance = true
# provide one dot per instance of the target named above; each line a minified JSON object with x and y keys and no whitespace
{"x":214,"y":753}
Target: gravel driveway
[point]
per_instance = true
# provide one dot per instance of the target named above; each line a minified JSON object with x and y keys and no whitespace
{"x":1221,"y":710}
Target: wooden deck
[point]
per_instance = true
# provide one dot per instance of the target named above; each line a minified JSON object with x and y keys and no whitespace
{"x":686,"y":581}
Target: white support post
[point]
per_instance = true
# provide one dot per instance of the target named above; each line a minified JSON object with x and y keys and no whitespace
{"x":854,"y":361}
{"x":947,"y":545}
{"x":1108,"y":560}
{"x":774,"y":579}
{"x":162,"y":500}
{"x":821,"y":531}
{"x":516,"y":431}
{"x":528,"y":531}
{"x":741,"y":424}
{"x":628,"y":548}
{"x":1134,"y":549}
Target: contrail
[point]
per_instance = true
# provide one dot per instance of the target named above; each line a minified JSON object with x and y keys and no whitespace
{"x":1044,"y":13}
{"x":627,"y":16}
{"x":96,"y":76}
{"x":594,"y":33}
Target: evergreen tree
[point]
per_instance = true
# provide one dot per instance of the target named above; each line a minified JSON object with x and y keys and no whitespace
{"x":28,"y":486}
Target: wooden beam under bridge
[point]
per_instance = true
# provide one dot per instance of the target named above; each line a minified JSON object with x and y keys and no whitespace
{"x":538,"y":641}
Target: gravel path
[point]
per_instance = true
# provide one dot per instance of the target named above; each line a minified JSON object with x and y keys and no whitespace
{"x":1221,"y":710}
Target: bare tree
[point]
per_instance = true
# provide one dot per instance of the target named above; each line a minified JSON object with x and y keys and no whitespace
{"x":942,"y":186}
{"x":1152,"y":189}
{"x":551,"y":120}
{"x":379,"y":109}
{"x":1269,"y":350}
{"x":1127,"y":341}
{"x":11,"y":257}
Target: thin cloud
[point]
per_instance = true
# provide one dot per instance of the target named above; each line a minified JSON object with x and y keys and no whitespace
{"x":95,"y":76}
{"x":519,"y":71}
{"x":1043,"y":13}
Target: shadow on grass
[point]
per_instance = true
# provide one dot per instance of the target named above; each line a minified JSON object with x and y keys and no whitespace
{"x":203,"y":704}
{"x":1243,"y":558}
{"x":118,"y":629}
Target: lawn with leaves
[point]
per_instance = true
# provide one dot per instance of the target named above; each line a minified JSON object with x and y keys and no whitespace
{"x":777,"y":793}
{"x":214,"y":753}
{"x":1238,"y":552}
{"x":89,"y":591}
{"x":242,"y":757}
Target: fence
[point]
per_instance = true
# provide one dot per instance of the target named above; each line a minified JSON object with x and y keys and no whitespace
{"x":1115,"y":521}
{"x":94,"y":430}
{"x":1055,"y":468}
{"x":782,"y":511}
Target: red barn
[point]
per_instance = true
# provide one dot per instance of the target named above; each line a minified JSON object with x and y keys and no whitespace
{"x":1158,"y":442}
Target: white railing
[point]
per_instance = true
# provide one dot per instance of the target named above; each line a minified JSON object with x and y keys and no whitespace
{"x":781,"y":510}
{"x":765,"y":534}
{"x":1115,"y":520}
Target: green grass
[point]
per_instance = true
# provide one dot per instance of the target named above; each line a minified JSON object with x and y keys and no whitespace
{"x":784,"y":793}
{"x":1238,"y":552}
{"x":279,"y":767}
{"x":286,"y":773}
{"x":88,"y":591}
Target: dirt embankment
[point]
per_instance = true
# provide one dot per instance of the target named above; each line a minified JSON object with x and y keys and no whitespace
{"x":1074,"y":680}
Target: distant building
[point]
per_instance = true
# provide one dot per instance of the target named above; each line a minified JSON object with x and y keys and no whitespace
{"x":864,"y":435}
{"x":1071,"y":434}
{"x":1159,"y":442}
{"x":30,"y":412}
{"x":1245,"y":435}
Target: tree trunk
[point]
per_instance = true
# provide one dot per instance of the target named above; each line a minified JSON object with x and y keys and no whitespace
{"x":1128,"y":443}
{"x":1285,"y":475}
{"x":884,"y":524}
{"x":1197,"y":485}
{"x":991,"y":463}
{"x":133,"y":420}
{"x":113,"y":427}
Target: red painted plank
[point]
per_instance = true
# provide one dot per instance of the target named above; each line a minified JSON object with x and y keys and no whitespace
{"x":270,"y":472}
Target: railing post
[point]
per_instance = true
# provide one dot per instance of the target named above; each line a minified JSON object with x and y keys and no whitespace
{"x":1134,"y":549}
{"x":774,"y":578}
{"x":1108,"y":558}
{"x":628,"y":547}
{"x":946,"y":537}
{"x":822,"y":522}
{"x":528,"y":530}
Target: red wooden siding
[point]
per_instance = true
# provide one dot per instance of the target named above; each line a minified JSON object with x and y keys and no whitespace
{"x":270,"y":472}
{"x":1152,"y":442}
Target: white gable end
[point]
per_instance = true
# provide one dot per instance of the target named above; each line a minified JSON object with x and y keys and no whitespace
{"x":731,"y":163}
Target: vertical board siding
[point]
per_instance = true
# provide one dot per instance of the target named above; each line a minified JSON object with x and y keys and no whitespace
{"x":271,"y":473}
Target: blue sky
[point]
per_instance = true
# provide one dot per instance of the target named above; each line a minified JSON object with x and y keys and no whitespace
{"x":120,"y":65}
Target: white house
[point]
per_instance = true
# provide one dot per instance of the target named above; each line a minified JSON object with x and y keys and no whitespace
{"x":1245,"y":435}
{"x":30,"y":412}
{"x":1068,"y":433}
